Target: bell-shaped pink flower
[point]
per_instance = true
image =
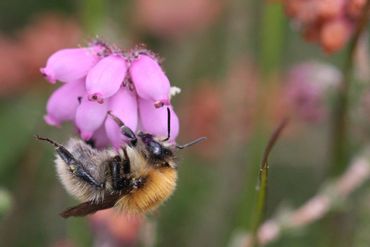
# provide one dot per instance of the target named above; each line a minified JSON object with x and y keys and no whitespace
{"x":151,"y":83}
{"x":63,"y":103}
{"x":89,"y":117}
{"x":154,"y":120}
{"x":100,"y":138}
{"x":105,"y":78}
{"x":71,"y":64}
{"x":123,"y":105}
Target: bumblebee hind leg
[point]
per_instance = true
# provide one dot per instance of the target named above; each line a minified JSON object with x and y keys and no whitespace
{"x":74,"y":165}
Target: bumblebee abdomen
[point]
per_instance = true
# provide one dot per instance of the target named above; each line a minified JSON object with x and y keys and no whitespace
{"x":158,"y":187}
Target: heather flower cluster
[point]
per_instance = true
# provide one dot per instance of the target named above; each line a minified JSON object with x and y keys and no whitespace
{"x":98,"y":79}
{"x":308,"y":85}
{"x":327,"y":22}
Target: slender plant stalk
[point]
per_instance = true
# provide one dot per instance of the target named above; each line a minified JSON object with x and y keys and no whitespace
{"x":357,"y":173}
{"x":270,"y":45}
{"x":340,"y":148}
{"x":340,"y":119}
{"x":263,"y":180}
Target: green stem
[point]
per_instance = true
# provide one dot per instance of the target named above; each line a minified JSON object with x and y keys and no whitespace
{"x":340,"y":119}
{"x":270,"y":45}
{"x":271,"y":38}
{"x":263,"y":180}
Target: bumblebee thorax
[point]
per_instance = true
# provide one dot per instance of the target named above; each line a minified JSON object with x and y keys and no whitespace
{"x":159,"y":185}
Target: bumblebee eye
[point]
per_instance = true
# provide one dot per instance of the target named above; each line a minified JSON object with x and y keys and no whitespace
{"x":167,"y":152}
{"x":155,"y":148}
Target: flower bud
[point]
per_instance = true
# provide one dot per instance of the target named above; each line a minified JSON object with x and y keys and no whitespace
{"x":63,"y":103}
{"x":155,"y":121}
{"x":150,"y":81}
{"x":89,"y":117}
{"x":123,"y":105}
{"x":70,"y":64}
{"x":334,"y":34}
{"x":100,"y":138}
{"x":105,"y":78}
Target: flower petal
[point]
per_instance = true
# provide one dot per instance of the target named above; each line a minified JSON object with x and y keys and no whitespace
{"x":70,"y":64}
{"x":63,"y":103}
{"x":154,"y":120}
{"x":89,"y":117}
{"x":100,"y":138}
{"x":123,"y":105}
{"x":150,"y":81}
{"x":105,"y":78}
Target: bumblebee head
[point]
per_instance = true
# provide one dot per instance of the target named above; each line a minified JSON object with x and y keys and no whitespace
{"x":159,"y":152}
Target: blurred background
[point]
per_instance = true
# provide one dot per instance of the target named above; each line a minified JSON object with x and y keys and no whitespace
{"x":243,"y":66}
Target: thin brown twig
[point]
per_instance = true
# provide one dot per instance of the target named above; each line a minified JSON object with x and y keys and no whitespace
{"x":274,"y":137}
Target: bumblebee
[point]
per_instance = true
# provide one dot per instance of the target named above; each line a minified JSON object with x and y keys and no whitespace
{"x":135,"y":179}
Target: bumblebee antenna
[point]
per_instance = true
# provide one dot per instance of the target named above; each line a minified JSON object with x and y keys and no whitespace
{"x":57,"y":145}
{"x":196,"y":141}
{"x":126,"y":131}
{"x":168,"y":125}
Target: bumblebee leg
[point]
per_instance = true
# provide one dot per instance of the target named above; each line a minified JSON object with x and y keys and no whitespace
{"x":123,"y":183}
{"x":119,"y":183}
{"x":126,"y":163}
{"x":74,"y":165}
{"x":126,"y":131}
{"x":115,"y":166}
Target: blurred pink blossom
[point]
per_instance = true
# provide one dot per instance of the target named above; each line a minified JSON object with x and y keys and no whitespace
{"x":112,"y":229}
{"x":307,"y":85}
{"x":176,"y":18}
{"x":104,"y":85}
{"x":327,"y":22}
{"x":46,"y":34}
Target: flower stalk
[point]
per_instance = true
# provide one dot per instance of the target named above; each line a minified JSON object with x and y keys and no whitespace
{"x":340,"y":118}
{"x":318,"y":206}
{"x":263,"y":181}
{"x":269,"y":59}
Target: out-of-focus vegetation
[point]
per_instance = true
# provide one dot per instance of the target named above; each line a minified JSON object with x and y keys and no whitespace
{"x":242,"y":67}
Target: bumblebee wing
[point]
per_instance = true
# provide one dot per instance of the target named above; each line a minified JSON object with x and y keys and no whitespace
{"x":90,"y":207}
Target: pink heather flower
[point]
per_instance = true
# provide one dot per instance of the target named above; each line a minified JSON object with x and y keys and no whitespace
{"x":105,"y":78}
{"x":101,"y":71}
{"x":335,"y":33}
{"x":63,"y":103}
{"x":150,"y":81}
{"x":154,"y":120}
{"x":327,"y":22}
{"x":123,"y":105}
{"x":89,"y":117}
{"x":308,"y":84}
{"x":100,"y":138}
{"x":71,"y":64}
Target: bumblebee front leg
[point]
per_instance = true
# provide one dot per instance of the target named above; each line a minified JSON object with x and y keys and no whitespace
{"x":126,"y":131}
{"x":74,"y":165}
